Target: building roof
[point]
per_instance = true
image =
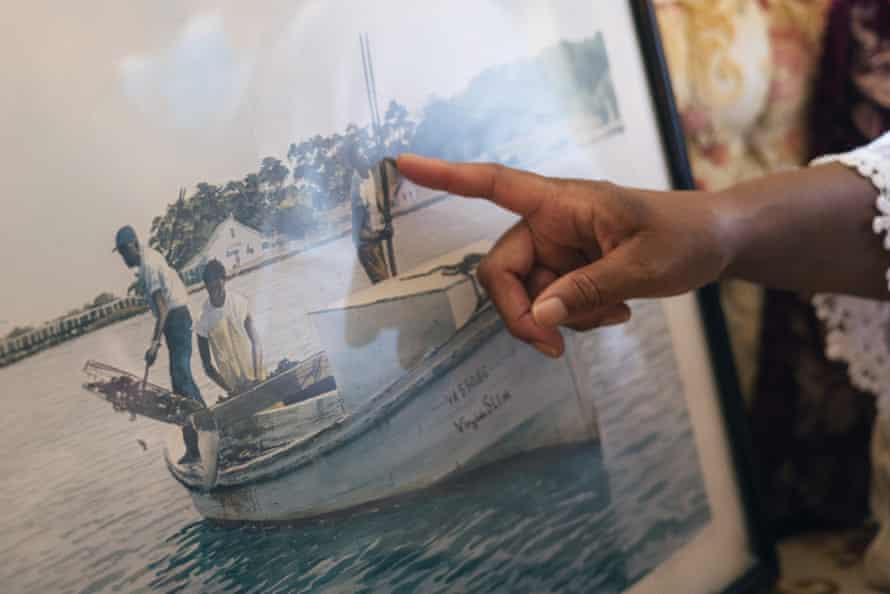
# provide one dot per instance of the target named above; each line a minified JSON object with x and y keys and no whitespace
{"x":196,"y":259}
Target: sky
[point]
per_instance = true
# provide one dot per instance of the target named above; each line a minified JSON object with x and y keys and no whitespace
{"x":108,"y":108}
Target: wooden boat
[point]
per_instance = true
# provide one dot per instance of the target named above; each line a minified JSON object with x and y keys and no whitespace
{"x":428,"y":384}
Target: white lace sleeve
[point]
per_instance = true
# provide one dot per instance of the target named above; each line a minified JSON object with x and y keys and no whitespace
{"x":859,"y":329}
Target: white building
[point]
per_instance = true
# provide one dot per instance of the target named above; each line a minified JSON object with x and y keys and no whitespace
{"x":234,"y":244}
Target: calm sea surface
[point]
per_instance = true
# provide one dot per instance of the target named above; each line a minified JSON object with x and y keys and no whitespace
{"x":85,"y":508}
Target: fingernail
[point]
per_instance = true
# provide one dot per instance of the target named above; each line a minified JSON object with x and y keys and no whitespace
{"x":615,"y":319}
{"x":550,"y":312}
{"x":548,"y":350}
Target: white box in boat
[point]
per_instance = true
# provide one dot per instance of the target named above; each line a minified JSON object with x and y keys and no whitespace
{"x":374,"y":336}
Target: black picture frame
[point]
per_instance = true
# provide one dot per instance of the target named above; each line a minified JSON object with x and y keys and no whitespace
{"x":765,"y":572}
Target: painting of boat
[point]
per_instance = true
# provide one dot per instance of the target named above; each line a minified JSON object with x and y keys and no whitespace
{"x":428,"y":384}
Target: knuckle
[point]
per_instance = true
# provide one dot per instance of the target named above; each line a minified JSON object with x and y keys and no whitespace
{"x":496,"y":176}
{"x":514,"y":331}
{"x":601,"y":186}
{"x":516,"y":328}
{"x":587,"y":290}
{"x":485,"y":271}
{"x":596,"y":189}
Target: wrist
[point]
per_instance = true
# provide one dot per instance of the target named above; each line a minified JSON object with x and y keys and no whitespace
{"x":732,"y":231}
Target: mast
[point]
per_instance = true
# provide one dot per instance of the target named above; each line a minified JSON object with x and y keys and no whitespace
{"x":376,"y":107}
{"x":371,"y":88}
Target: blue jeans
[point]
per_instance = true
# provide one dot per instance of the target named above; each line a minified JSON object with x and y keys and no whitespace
{"x":178,"y":334}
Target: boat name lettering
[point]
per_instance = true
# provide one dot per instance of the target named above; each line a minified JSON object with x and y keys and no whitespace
{"x":490,"y":403}
{"x":465,"y":387}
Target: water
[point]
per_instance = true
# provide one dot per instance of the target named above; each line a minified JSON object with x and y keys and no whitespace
{"x":87,"y":509}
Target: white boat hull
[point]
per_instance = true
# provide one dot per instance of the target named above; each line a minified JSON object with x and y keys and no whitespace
{"x":500,"y":399}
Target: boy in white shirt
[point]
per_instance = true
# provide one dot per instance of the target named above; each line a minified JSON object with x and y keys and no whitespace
{"x":227,"y":339}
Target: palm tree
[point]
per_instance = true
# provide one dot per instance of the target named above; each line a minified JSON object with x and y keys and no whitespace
{"x":272,"y":175}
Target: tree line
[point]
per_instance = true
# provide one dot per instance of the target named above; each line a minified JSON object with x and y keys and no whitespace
{"x":501,"y":106}
{"x":282,"y":198}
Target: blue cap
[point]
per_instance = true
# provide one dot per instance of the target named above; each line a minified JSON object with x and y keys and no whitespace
{"x":125,"y":235}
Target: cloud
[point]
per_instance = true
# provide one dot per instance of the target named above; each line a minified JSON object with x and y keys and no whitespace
{"x":197,"y":80}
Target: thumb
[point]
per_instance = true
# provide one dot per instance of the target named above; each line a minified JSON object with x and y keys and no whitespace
{"x":609,"y":281}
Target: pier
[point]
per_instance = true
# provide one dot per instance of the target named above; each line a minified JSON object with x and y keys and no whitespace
{"x":68,"y":327}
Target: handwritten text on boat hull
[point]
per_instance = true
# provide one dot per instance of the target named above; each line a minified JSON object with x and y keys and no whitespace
{"x":490,"y":403}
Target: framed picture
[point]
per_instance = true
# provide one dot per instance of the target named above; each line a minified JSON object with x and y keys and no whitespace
{"x":241,"y":353}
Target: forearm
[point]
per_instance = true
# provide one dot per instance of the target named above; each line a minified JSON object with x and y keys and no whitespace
{"x":808,"y":230}
{"x":161,"y":321}
{"x":207,"y":363}
{"x":158,"y":329}
{"x":217,"y":378}
{"x":257,"y":359}
{"x":255,"y":348}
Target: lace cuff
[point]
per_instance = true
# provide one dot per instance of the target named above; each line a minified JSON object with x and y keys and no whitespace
{"x":859,"y":329}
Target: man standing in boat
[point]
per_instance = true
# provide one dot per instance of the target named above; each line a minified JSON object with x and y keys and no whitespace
{"x":370,"y":228}
{"x":227,"y":338}
{"x":167,"y":297}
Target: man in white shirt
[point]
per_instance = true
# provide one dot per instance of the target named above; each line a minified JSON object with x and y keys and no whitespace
{"x":167,"y":297}
{"x":227,"y":339}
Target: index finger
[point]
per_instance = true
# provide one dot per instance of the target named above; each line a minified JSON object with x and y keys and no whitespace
{"x":521,"y":192}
